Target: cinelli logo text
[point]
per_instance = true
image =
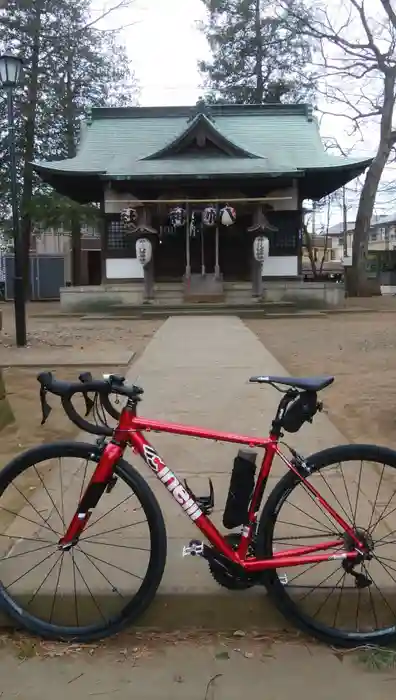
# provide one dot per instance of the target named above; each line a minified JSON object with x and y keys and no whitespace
{"x":171,"y":482}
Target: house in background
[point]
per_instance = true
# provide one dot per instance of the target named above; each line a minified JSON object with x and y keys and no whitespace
{"x":51,"y":241}
{"x":381,"y":262}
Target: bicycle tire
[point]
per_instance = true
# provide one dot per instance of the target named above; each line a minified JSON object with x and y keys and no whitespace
{"x":277,"y":590}
{"x":157,"y":553}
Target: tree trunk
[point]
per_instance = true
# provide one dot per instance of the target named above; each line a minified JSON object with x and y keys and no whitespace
{"x":259,"y":55}
{"x":357,"y":283}
{"x":30,"y":129}
{"x":75,"y":225}
{"x":308,"y":243}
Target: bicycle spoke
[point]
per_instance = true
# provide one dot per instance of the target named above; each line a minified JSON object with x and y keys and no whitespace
{"x":49,"y":495}
{"x":21,"y":554}
{"x":311,"y":516}
{"x":329,"y":594}
{"x":112,"y":544}
{"x":56,"y":587}
{"x":36,"y":511}
{"x":382,"y":516}
{"x":90,"y":592}
{"x":382,"y":595}
{"x":112,"y":586}
{"x":313,"y":588}
{"x":29,"y":520}
{"x":83,"y":481}
{"x":31,"y":569}
{"x":114,"y":529}
{"x":75,"y":587}
{"x":311,"y":566}
{"x":108,"y":512}
{"x":44,"y":580}
{"x":357,"y":492}
{"x":339,"y":600}
{"x":334,"y":496}
{"x":307,"y":527}
{"x":370,"y":595}
{"x":346,"y":490}
{"x":62,"y":500}
{"x":115,"y":566}
{"x":376,"y":496}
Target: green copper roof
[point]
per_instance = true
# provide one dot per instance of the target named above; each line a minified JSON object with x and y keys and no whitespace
{"x":153,"y":142}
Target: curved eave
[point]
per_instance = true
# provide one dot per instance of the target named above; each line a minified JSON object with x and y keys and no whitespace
{"x":81,"y":186}
{"x":319,"y":182}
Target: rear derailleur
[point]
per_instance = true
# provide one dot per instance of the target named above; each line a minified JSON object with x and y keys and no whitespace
{"x":362,"y":580}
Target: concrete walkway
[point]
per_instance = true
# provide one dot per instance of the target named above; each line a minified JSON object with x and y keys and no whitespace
{"x":195,"y":370}
{"x":202,"y":668}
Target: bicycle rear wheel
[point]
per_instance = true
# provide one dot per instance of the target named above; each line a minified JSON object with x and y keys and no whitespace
{"x":323,"y":599}
{"x":104,"y":582}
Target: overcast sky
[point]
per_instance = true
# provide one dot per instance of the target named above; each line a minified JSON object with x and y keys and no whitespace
{"x":165,"y":45}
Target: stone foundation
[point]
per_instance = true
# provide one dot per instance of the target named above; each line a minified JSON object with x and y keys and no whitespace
{"x":104,"y":297}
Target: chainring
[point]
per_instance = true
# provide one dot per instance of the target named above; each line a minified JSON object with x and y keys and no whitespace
{"x":227,"y":577}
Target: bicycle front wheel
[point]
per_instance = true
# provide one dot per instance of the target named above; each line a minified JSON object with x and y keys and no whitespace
{"x":109,"y":577}
{"x":324,"y":599}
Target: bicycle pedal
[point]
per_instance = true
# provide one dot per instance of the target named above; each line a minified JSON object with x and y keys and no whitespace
{"x":193,"y":549}
{"x":205,"y":503}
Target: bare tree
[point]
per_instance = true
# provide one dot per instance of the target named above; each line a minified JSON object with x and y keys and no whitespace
{"x":356,"y":52}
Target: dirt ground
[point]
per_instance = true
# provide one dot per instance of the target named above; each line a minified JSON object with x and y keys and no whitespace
{"x":21,"y":383}
{"x":198,"y":666}
{"x":359,"y":349}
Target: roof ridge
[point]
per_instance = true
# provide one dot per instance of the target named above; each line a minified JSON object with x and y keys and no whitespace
{"x":303,"y":110}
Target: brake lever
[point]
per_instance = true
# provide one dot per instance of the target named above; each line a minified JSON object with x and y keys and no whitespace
{"x":45,"y":407}
{"x":89,"y":403}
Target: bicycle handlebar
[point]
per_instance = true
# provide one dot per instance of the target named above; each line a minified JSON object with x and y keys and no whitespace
{"x":112,"y":384}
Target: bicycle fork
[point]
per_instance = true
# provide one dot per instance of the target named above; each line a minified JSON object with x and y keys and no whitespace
{"x":102,"y":480}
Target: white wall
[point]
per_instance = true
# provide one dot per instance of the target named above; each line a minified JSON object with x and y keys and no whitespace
{"x":284,"y":204}
{"x":282,"y":266}
{"x":123,"y":269}
{"x":114,"y":201}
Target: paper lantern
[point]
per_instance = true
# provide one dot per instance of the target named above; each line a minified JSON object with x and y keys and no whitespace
{"x":144,"y":251}
{"x":177,"y":217}
{"x":209,"y":216}
{"x":227,"y":215}
{"x":261,"y":248}
{"x":129,"y":218}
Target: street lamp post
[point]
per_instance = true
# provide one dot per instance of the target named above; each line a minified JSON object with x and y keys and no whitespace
{"x":10,"y":72}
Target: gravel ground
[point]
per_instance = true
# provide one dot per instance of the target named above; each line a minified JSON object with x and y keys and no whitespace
{"x":360,"y":350}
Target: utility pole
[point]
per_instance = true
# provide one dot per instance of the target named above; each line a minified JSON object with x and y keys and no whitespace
{"x":345,"y":222}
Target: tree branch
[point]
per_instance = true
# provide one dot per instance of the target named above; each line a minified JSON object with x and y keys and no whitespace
{"x":389,"y":11}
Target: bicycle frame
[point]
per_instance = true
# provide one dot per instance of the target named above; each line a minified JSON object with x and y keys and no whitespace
{"x":129,"y":431}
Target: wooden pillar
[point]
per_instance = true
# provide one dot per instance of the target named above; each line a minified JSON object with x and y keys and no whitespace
{"x":103,"y":239}
{"x":217,"y":242}
{"x":257,"y":277}
{"x":188,"y":256}
{"x":202,"y":251}
{"x":148,"y":270}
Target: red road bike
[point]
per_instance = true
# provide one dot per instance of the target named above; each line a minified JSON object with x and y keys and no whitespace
{"x":317,"y":527}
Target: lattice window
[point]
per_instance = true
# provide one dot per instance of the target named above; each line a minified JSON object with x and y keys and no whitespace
{"x":118,"y":238}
